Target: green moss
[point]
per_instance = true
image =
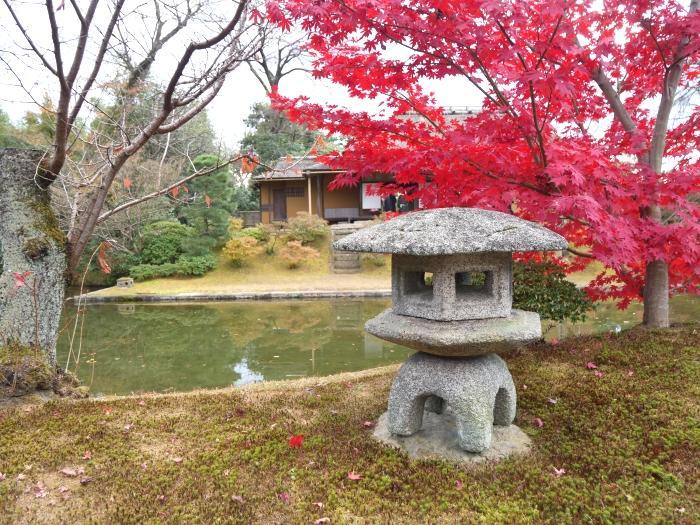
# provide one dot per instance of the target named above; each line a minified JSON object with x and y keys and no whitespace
{"x":35,"y":248}
{"x":23,"y":369}
{"x":47,"y":222}
{"x":629,"y":444}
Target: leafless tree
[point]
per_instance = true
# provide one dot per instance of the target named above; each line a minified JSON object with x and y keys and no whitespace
{"x":278,"y":56}
{"x":207,"y":40}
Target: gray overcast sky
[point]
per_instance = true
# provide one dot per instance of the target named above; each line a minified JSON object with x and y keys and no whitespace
{"x":226,"y":112}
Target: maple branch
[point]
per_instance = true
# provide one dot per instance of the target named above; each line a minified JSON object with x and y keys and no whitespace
{"x":531,"y":89}
{"x":579,"y":253}
{"x":163,"y":191}
{"x":380,"y":29}
{"x":656,"y":44}
{"x":670,"y":85}
{"x":550,"y":41}
{"x":613,"y":98}
{"x":420,"y":112}
{"x":492,"y":175}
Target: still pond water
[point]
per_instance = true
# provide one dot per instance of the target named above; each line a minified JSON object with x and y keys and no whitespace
{"x":177,"y":347}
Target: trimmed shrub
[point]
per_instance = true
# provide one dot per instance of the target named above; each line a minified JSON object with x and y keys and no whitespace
{"x":294,"y":254}
{"x":189,"y":265}
{"x":185,"y":266}
{"x":162,"y":242}
{"x":306,"y":228}
{"x":239,"y":249}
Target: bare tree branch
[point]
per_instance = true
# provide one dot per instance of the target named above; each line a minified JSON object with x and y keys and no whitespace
{"x":167,"y":189}
{"x":29,"y":40}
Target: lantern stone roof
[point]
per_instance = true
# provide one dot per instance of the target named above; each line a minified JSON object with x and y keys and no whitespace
{"x":450,"y":231}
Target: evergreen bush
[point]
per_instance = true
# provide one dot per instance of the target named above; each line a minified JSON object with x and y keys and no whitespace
{"x":542,"y":287}
{"x":162,"y":242}
{"x":186,"y":266}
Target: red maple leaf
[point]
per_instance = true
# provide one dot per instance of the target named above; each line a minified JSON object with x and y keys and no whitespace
{"x":102,"y":257}
{"x":296,"y":441}
{"x":21,"y":278}
{"x":256,"y":16}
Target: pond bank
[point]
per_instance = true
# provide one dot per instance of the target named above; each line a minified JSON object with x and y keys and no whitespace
{"x":614,"y":444}
{"x":125,"y":296}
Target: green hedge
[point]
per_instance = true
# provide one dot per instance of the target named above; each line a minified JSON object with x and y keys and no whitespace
{"x":185,"y":266}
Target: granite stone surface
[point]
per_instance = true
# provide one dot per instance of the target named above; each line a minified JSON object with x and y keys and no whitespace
{"x":500,"y":335}
{"x":445,"y":231}
{"x":479,"y":390}
{"x":438,"y":438}
{"x":451,"y":296}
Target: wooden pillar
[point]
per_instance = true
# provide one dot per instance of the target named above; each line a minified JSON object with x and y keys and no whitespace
{"x":319,"y":206}
{"x":308,"y":190}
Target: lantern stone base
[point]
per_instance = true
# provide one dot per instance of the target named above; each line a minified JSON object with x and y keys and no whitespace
{"x":478,"y":390}
{"x":438,"y":438}
{"x":475,"y":337}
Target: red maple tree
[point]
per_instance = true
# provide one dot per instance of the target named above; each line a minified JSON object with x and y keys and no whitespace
{"x":589,"y":122}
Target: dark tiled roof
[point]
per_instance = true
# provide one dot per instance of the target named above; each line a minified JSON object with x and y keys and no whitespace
{"x":284,"y":169}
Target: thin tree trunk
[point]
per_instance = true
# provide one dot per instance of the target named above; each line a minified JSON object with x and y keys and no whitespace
{"x":32,"y":284}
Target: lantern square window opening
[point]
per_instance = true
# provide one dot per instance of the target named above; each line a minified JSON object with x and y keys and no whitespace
{"x":474,"y":285}
{"x":417,"y":284}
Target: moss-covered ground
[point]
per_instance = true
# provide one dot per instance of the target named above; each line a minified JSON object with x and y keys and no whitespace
{"x":619,"y":443}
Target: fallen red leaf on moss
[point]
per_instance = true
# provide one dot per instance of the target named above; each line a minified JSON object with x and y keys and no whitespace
{"x":296,"y":441}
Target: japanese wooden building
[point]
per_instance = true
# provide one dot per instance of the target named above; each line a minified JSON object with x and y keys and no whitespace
{"x":301,"y":185}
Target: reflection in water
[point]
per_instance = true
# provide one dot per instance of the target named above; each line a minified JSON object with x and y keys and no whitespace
{"x":246,"y":374}
{"x":161,"y":347}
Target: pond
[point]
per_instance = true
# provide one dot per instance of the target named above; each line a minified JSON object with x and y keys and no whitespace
{"x":144,"y":347}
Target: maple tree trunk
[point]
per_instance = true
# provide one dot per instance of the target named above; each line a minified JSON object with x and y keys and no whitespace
{"x":656,"y":290}
{"x":656,"y":295}
{"x":32,"y":283}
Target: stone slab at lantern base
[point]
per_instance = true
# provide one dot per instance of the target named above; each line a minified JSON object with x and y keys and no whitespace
{"x":479,"y":390}
{"x":438,"y":438}
{"x":500,"y":335}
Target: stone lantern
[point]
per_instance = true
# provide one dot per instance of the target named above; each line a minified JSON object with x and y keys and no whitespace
{"x":452,"y":297}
